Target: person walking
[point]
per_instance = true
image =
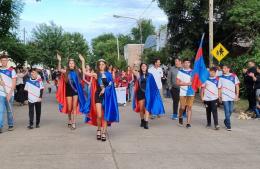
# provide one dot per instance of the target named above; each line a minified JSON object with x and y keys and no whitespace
{"x":102,"y":107}
{"x":7,"y":87}
{"x":147,"y":99}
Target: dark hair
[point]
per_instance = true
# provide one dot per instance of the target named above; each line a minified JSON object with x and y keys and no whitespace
{"x":213,"y":69}
{"x":98,"y":63}
{"x":4,"y":55}
{"x":141,"y":72}
{"x":226,"y":66}
{"x":155,"y":60}
{"x":252,"y":61}
{"x":34,"y":70}
{"x":186,"y":60}
{"x":68,"y":69}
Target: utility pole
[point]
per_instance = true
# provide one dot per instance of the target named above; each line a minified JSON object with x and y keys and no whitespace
{"x":24,"y":41}
{"x":210,"y":31}
{"x":117,"y":42}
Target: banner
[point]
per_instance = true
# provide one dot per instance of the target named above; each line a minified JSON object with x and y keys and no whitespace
{"x":121,"y":95}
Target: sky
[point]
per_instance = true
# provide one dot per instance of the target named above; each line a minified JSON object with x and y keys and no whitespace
{"x":90,"y":17}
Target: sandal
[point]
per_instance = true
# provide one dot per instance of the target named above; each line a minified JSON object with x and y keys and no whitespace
{"x":73,"y":126}
{"x":69,"y":125}
{"x":104,"y":137}
{"x":98,"y":134}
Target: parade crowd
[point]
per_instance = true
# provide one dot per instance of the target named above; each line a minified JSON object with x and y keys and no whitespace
{"x":91,"y":91}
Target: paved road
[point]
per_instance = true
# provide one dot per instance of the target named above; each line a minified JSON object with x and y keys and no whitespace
{"x":163,"y":146}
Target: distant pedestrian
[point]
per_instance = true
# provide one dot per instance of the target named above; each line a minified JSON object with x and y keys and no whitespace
{"x":249,"y":84}
{"x":157,"y":73}
{"x":229,"y":88}
{"x":256,"y":78}
{"x":34,"y":87}
{"x":174,"y":88}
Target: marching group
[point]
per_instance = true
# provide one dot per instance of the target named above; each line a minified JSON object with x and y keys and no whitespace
{"x":91,"y":92}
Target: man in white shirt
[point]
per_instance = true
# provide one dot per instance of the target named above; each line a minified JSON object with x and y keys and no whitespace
{"x":7,"y":86}
{"x":157,"y":73}
{"x":229,"y":86}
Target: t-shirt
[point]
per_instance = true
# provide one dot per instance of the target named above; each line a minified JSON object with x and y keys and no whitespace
{"x":34,"y":88}
{"x":185,"y":76}
{"x":157,"y":74}
{"x":228,"y":85}
{"x":211,"y":87}
{"x":7,"y":75}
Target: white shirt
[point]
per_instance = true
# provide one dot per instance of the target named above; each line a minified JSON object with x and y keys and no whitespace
{"x":7,"y":75}
{"x":157,"y":74}
{"x":228,"y":85}
{"x":185,"y":76}
{"x":34,"y":88}
{"x":19,"y":79}
{"x":211,"y":87}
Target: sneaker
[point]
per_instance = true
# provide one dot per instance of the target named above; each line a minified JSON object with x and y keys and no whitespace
{"x":30,"y":127}
{"x":208,"y":126}
{"x":38,"y":126}
{"x":174,"y":117}
{"x":180,"y":122}
{"x":184,"y":115}
{"x":229,"y":129}
{"x":1,"y":130}
{"x":188,"y":126}
{"x":217,"y":127}
{"x":10,"y":128}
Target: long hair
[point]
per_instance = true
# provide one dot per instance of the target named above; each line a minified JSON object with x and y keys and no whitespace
{"x":68,"y":70}
{"x":98,"y":63}
{"x":141,"y":72}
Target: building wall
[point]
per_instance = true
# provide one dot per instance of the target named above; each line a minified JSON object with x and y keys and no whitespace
{"x":132,"y":54}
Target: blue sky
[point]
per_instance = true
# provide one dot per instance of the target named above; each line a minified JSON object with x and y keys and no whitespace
{"x":90,"y":17}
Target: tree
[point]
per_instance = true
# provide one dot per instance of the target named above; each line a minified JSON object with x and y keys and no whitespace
{"x":16,"y":50}
{"x":147,"y":29}
{"x":105,"y":46}
{"x":48,"y":39}
{"x":9,"y":15}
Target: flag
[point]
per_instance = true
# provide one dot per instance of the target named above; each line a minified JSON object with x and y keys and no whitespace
{"x":200,"y":73}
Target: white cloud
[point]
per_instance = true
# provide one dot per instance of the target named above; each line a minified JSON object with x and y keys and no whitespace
{"x":105,"y":22}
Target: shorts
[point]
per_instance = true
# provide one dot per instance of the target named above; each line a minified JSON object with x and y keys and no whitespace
{"x":69,"y":91}
{"x":140,"y":95}
{"x":99,"y":99}
{"x":186,"y":100}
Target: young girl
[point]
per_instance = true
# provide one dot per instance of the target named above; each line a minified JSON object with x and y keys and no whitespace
{"x":102,"y":103}
{"x":147,"y":99}
{"x":70,"y":94}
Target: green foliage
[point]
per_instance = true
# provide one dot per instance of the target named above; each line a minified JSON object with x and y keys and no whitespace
{"x":147,"y":29}
{"x":48,"y":39}
{"x":17,"y":50}
{"x":105,"y":46}
{"x":9,"y":15}
{"x":149,"y":56}
{"x":187,"y":53}
{"x":246,"y":16}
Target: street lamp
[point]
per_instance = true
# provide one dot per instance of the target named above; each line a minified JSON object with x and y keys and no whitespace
{"x":139,"y":22}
